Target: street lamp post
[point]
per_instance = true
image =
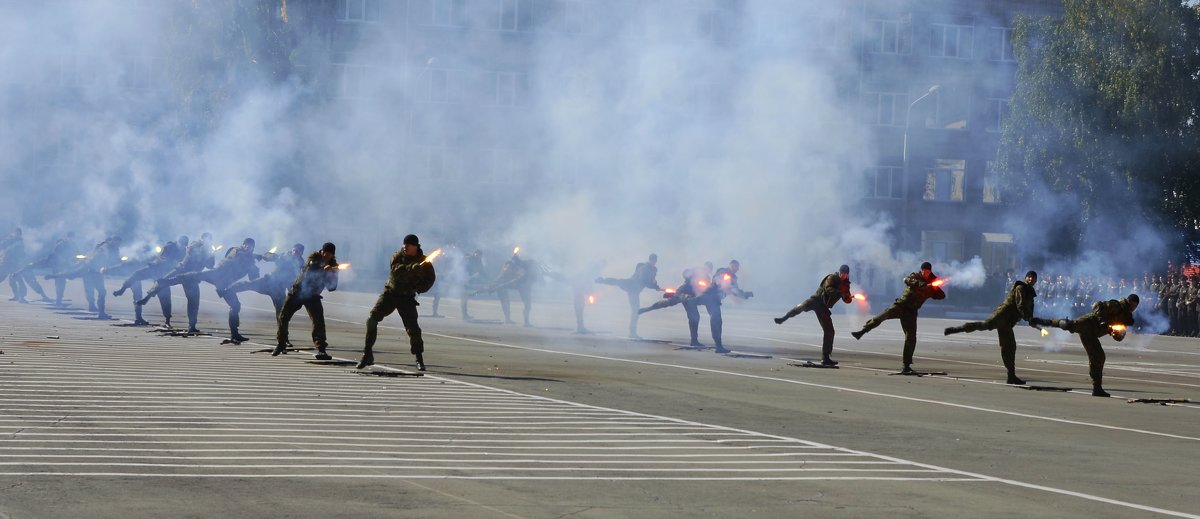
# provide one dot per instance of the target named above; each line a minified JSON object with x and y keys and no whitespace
{"x":904,"y":203}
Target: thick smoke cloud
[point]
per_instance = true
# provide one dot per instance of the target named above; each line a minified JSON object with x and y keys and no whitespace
{"x":701,"y":134}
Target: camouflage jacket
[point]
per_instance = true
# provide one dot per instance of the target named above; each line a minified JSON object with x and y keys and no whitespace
{"x":1018,"y":305}
{"x":318,"y":274}
{"x":410,"y":275}
{"x":831,"y":290}
{"x":917,"y":290}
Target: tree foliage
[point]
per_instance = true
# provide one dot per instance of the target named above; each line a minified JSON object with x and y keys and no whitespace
{"x":1106,"y":108}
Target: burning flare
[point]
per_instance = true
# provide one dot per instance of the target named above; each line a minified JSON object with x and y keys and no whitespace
{"x":702,"y":283}
{"x":860,"y":296}
{"x":343,"y":266}
{"x":158,"y":249}
{"x":939,"y":282}
{"x":273,"y":249}
{"x":81,"y":256}
{"x":124,"y":258}
{"x":217,"y":247}
{"x":432,"y":255}
{"x":1045,"y":332}
{"x":591,"y":299}
{"x":516,"y":250}
{"x":726,"y":277}
{"x":669,"y":290}
{"x":1118,"y":327}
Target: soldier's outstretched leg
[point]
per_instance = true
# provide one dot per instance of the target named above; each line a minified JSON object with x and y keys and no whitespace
{"x":892,"y":312}
{"x":1008,"y":354}
{"x":1095,"y":354}
{"x":796,"y":310}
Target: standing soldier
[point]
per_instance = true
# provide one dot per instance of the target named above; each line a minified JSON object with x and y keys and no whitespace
{"x":644,"y":276}
{"x":156,"y":268}
{"x":275,"y":284}
{"x":473,"y":267}
{"x":1017,"y":305}
{"x":1188,"y":311}
{"x":833,"y":287}
{"x":1110,"y":317}
{"x":918,"y":287}
{"x":410,"y":275}
{"x":320,"y":272}
{"x":1171,"y":302}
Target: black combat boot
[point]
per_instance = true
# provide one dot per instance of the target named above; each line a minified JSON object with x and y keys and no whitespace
{"x":907,"y":369}
{"x":858,"y":335}
{"x":828,"y":362}
{"x":1012,"y":379}
{"x":420,"y":362}
{"x":367,"y":359}
{"x":280,"y":349}
{"x":721,"y":349}
{"x":780,"y":320}
{"x":1099,"y":391}
{"x":955,"y":329}
{"x":321,"y":355}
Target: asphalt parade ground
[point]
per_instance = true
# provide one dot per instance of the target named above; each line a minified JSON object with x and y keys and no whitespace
{"x":105,"y":419}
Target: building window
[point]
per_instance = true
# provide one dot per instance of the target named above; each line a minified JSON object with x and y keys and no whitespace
{"x":951,"y":41}
{"x":439,"y":13}
{"x":505,"y":87}
{"x":884,"y":182}
{"x":944,"y":183}
{"x":889,"y":36}
{"x":351,"y":80}
{"x":949,"y":109}
{"x":885,"y":108}
{"x":77,"y":70}
{"x":998,"y":252}
{"x":504,"y":167}
{"x":509,"y":15}
{"x":942,"y":246}
{"x":138,"y":74}
{"x":357,"y":10}
{"x":1000,"y":44}
{"x":445,"y":86}
{"x":996,"y":113}
{"x":991,"y":184}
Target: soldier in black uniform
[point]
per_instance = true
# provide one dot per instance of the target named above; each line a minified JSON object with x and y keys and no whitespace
{"x":724,"y":283}
{"x":56,"y":262}
{"x":832,"y":288}
{"x":167,"y":258}
{"x":918,"y":287}
{"x":644,"y":276}
{"x":1110,"y":317}
{"x":105,"y":254}
{"x":275,"y":284}
{"x":196,"y":257}
{"x":320,"y":272}
{"x":1017,"y":305}
{"x":410,"y":275}
{"x":518,"y":274}
{"x":239,"y":262}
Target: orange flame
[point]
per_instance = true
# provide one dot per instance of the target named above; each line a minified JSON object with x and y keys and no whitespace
{"x":670,"y":291}
{"x":860,"y":296}
{"x":432,"y":255}
{"x":1118,"y":327}
{"x":343,"y":266}
{"x":938,"y":283}
{"x":516,"y":249}
{"x":702,"y":283}
{"x":591,"y":299}
{"x":727,"y":277}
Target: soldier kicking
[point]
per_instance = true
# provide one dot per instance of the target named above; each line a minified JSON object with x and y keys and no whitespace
{"x":833,"y":287}
{"x":1017,"y":305}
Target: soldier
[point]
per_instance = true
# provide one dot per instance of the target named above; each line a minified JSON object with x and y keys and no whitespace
{"x":12,"y":258}
{"x":918,"y":287}
{"x":56,"y":262}
{"x":196,"y":257}
{"x":275,"y":284}
{"x":1174,"y":295}
{"x":644,"y":276}
{"x":238,"y":263}
{"x":473,"y":267}
{"x":1188,"y":311}
{"x":104,"y":254}
{"x":518,"y":274}
{"x":167,"y":258}
{"x":1110,"y":317}
{"x":833,"y":287}
{"x":1017,"y":305}
{"x":410,"y":275}
{"x":724,"y":283}
{"x":320,"y":272}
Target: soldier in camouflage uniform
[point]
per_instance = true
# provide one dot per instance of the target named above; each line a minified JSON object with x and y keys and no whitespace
{"x":918,"y":287}
{"x":56,"y":262}
{"x":1110,"y":317}
{"x":832,"y":288}
{"x":1018,"y":305}
{"x":644,"y":276}
{"x":320,"y":273}
{"x":518,"y":274}
{"x":1174,"y":295}
{"x":239,"y":262}
{"x":196,"y":257}
{"x":1188,"y":310}
{"x":410,"y":275}
{"x":105,"y":254}
{"x":275,"y":284}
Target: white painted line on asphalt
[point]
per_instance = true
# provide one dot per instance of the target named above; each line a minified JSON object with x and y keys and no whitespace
{"x":502,"y":478}
{"x":829,"y":386}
